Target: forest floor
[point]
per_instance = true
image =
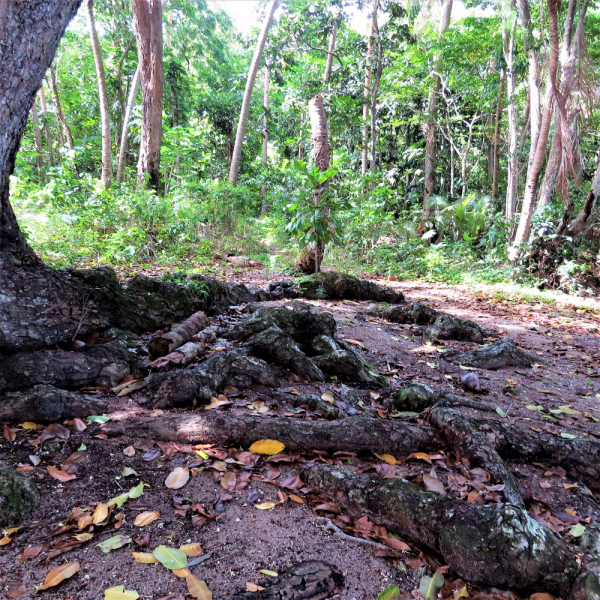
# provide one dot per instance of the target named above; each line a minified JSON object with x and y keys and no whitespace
{"x":560,"y":394}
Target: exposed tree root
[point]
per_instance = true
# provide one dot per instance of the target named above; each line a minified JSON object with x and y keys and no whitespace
{"x":47,"y":404}
{"x":163,"y":343}
{"x":503,"y":353}
{"x":493,"y":545}
{"x":419,"y":397}
{"x":440,"y":325}
{"x":356,"y":434}
{"x":313,"y":580}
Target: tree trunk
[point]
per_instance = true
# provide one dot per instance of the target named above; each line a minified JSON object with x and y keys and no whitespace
{"x":122,"y":162}
{"x":147,"y":24}
{"x":37,"y":134}
{"x":59,"y":110}
{"x":374,"y":93}
{"x":106,"y":176}
{"x":367,"y":91}
{"x":496,"y":141}
{"x":513,"y":167}
{"x":234,"y":172}
{"x":583,"y":220}
{"x":47,"y":131}
{"x":330,"y":52}
{"x":265,"y":146}
{"x":522,"y":233}
{"x":430,"y":138}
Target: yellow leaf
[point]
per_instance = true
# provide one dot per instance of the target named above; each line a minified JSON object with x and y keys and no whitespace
{"x":269,"y":573}
{"x":100,"y":513}
{"x":84,"y":537}
{"x":146,"y":518}
{"x":182,"y":572}
{"x":388,"y":458}
{"x":420,"y":456}
{"x":58,"y":574}
{"x":263,"y":409}
{"x":144,"y":557}
{"x":266,"y":505}
{"x":297,"y":499}
{"x":191,"y":549}
{"x":5,"y":540}
{"x":215,"y":403}
{"x":267,"y":447}
{"x":120,"y":593}
{"x":28,"y":425}
{"x":198,"y":588}
{"x":177,"y":478}
{"x":327,"y":397}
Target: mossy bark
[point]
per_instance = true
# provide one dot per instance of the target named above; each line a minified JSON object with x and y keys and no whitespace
{"x":18,"y":496}
{"x":503,"y":353}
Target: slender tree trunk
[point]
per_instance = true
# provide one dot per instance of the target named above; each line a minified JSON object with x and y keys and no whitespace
{"x":561,"y":137}
{"x":430,"y":137}
{"x":147,"y":24}
{"x":522,"y":233}
{"x":106,"y":177}
{"x":374,"y":93}
{"x":330,"y":53}
{"x":59,"y":110}
{"x":133,"y":91}
{"x":119,"y":78}
{"x":234,"y":172}
{"x":47,"y":131}
{"x":584,"y":219}
{"x":497,"y":135}
{"x":512,"y":175}
{"x":367,"y":91}
{"x":37,"y":135}
{"x":265,"y":149}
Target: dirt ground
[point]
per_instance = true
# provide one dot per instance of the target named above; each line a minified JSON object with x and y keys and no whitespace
{"x":560,"y":394}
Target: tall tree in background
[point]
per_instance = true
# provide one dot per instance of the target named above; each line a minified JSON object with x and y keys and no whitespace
{"x":106,"y":177}
{"x":533,"y":172}
{"x":37,"y":136}
{"x":512,"y":176}
{"x":265,"y":133}
{"x":133,"y":91}
{"x":234,"y":171}
{"x":367,"y":91}
{"x":431,"y":130}
{"x":59,"y":110}
{"x":47,"y":131}
{"x":147,"y":24}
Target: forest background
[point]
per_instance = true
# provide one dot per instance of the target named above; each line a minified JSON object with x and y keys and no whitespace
{"x":436,"y":126}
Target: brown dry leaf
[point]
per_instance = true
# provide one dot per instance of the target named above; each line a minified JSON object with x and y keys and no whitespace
{"x":84,"y":521}
{"x":9,"y":435}
{"x":570,"y":486}
{"x":198,"y":588}
{"x":268,"y":447}
{"x":119,"y":521}
{"x":266,"y":505}
{"x":147,"y":517}
{"x":329,"y":507}
{"x":60,"y":475}
{"x":25,"y":469}
{"x":177,"y":478}
{"x":252,"y":587}
{"x":5,"y":540}
{"x":54,"y":430}
{"x":420,"y":456}
{"x":76,"y":458}
{"x":191,"y":549}
{"x":542,"y":596}
{"x":216,"y":403}
{"x":58,"y":574}
{"x":355,"y":342}
{"x":297,"y":499}
{"x":181,"y":572}
{"x":30,"y":552}
{"x":545,"y":485}
{"x":84,"y":537}
{"x":129,"y":451}
{"x":145,"y":558}
{"x":100,"y":513}
{"x":228,"y":481}
{"x":79,"y":425}
{"x":388,"y":458}
{"x":16,"y":590}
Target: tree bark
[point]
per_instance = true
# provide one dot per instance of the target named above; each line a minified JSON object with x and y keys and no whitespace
{"x":106,"y":176}
{"x":583,"y":220}
{"x":374,"y":92}
{"x":367,"y":91}
{"x":330,"y":52}
{"x":234,"y":171}
{"x":147,"y":24}
{"x":430,"y":137}
{"x":59,"y":110}
{"x":37,"y":135}
{"x":513,"y":167}
{"x":265,"y":134}
{"x":47,"y":131}
{"x":496,"y":142}
{"x":122,"y":162}
{"x":522,"y":233}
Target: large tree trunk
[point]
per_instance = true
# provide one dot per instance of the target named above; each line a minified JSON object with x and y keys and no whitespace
{"x":234,"y":171}
{"x":37,"y":135}
{"x":522,"y":233}
{"x":133,"y":91}
{"x":147,"y":23}
{"x":430,"y":137}
{"x":106,"y":176}
{"x":513,"y":167}
{"x":367,"y":91}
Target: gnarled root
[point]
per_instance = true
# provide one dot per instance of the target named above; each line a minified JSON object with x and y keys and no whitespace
{"x":503,"y":353}
{"x":493,"y":545}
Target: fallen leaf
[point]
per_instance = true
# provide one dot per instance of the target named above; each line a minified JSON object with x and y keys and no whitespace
{"x":433,"y":484}
{"x":269,"y":573}
{"x":430,"y":586}
{"x":171,"y":558}
{"x":60,"y":475}
{"x":129,"y":451}
{"x":9,"y":434}
{"x":114,"y":543}
{"x":100,"y":514}
{"x":228,"y":481}
{"x":541,"y":596}
{"x":388,"y":458}
{"x":215,"y":403}
{"x":252,"y":587}
{"x":84,"y":537}
{"x":391,"y":592}
{"x":58,"y":574}
{"x":181,"y":572}
{"x":329,"y":507}
{"x":127,"y":472}
{"x":198,"y":588}
{"x":30,"y":552}
{"x":297,"y":499}
{"x":145,"y":558}
{"x":79,"y":425}
{"x":577,"y":530}
{"x":98,"y":419}
{"x":177,"y":478}
{"x":147,"y":517}
{"x":191,"y":549}
{"x":120,"y":593}
{"x":328,"y":397}
{"x":5,"y":540}
{"x":28,"y":425}
{"x":16,"y":590}
{"x":266,"y":505}
{"x":268,"y":447}
{"x":545,"y":485}
{"x":420,"y":456}
{"x":35,"y":460}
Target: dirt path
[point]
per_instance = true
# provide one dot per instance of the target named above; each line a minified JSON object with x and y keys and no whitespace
{"x":559,"y":395}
